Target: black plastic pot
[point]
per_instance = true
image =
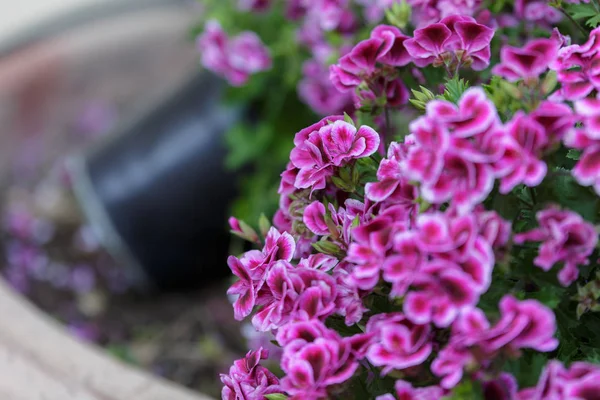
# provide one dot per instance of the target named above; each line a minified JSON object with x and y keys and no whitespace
{"x":158,"y":193}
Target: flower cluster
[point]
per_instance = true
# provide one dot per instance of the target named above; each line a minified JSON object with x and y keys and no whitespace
{"x":410,"y":255}
{"x":235,"y":58}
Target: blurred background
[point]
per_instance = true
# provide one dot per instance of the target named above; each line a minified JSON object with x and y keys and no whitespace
{"x":113,"y":198}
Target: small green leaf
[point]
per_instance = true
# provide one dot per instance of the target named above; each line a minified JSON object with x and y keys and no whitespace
{"x":264,"y":224}
{"x":580,"y":11}
{"x":276,"y":396}
{"x":348,"y":119}
{"x":574,"y":154}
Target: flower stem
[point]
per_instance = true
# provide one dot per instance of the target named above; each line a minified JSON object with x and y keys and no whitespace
{"x":581,"y":29}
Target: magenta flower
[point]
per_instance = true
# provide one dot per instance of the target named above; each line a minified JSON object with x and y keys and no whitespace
{"x":372,"y":243}
{"x":474,"y":342}
{"x":556,"y":118}
{"x":494,"y":229}
{"x":294,"y":293}
{"x":537,"y":11}
{"x":245,"y":288}
{"x":235,"y":59}
{"x":396,"y":342}
{"x":392,"y":184}
{"x":523,"y":324}
{"x":566,"y":238}
{"x":589,"y":110}
{"x":577,"y":68}
{"x":332,"y":145}
{"x":587,"y":169}
{"x":457,"y":40}
{"x":528,"y":62}
{"x":580,"y":381}
{"x":504,"y":387}
{"x":253,"y":267}
{"x":521,"y":160}
{"x":254,"y":5}
{"x":247,"y":379}
{"x":314,"y":358}
{"x":453,"y":151}
{"x":316,"y":90}
{"x":384,"y":47}
{"x":405,"y":391}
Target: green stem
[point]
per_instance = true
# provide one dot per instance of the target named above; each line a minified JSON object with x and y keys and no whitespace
{"x":532,"y":194}
{"x":581,"y":29}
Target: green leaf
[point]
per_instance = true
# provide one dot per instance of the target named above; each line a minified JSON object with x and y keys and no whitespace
{"x":574,"y":154}
{"x":454,"y":89}
{"x":548,"y":295}
{"x":580,"y":11}
{"x":264,"y":224}
{"x":276,"y":396}
{"x":467,"y":390}
{"x":348,"y":119}
{"x":593,"y":22}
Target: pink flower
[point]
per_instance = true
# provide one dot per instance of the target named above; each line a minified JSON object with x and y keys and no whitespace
{"x":528,"y":62}
{"x":537,"y":10}
{"x":453,"y":151}
{"x":556,"y":118}
{"x":405,"y":391}
{"x":566,"y":238}
{"x":386,"y":46}
{"x":494,"y":229}
{"x":474,"y":342}
{"x":504,"y":387}
{"x":521,"y":161}
{"x":589,"y":110}
{"x":294,"y":293}
{"x":523,"y":324}
{"x":577,"y":68}
{"x":253,"y":267}
{"x":580,"y":381}
{"x":316,"y":90}
{"x":254,"y":5}
{"x":332,"y":145}
{"x":390,"y":177}
{"x":396,"y":342}
{"x":247,"y":379}
{"x":314,"y":358}
{"x":457,"y":40}
{"x":372,"y":242}
{"x":235,"y":59}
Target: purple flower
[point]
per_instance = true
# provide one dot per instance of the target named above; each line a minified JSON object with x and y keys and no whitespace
{"x":294,"y":293}
{"x":523,"y":324}
{"x":526,"y":140}
{"x":390,"y":178}
{"x":386,"y":46}
{"x":397,"y":343}
{"x":577,"y":68}
{"x":565,"y":237}
{"x":254,"y":5}
{"x":405,"y":391}
{"x":537,"y":10}
{"x":458,"y":37}
{"x":247,"y":379}
{"x":528,"y":62}
{"x":474,"y":342}
{"x":504,"y":387}
{"x":233,"y":58}
{"x":454,"y":150}
{"x":580,"y":381}
{"x":332,"y":145}
{"x":253,"y":268}
{"x":315,"y":357}
{"x":317,"y":90}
